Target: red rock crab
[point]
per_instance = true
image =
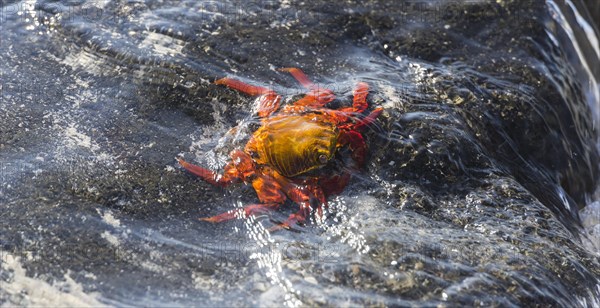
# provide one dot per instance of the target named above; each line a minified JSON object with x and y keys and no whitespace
{"x":286,"y":156}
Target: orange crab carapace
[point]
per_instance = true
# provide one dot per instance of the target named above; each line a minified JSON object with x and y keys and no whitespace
{"x":292,"y":155}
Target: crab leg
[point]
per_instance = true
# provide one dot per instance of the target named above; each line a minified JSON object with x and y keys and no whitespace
{"x":304,"y":196}
{"x":244,"y":212}
{"x":352,"y":137}
{"x":366,"y":121}
{"x":243,"y":87}
{"x":268,"y":189}
{"x":334,"y":185}
{"x":360,"y":97}
{"x":207,"y":175}
{"x":240,"y":168}
{"x":293,"y":219}
{"x":268,"y":101}
{"x":300,"y":76}
{"x":317,"y":191}
{"x":357,"y":144}
{"x":316,"y":97}
{"x":359,"y":104}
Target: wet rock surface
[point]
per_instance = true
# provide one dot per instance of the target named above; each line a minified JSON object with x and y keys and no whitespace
{"x":477,"y":169}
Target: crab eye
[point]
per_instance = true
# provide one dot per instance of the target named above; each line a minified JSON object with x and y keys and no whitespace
{"x":322,"y":159}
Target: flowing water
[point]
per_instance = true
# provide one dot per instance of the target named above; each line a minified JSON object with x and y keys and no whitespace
{"x":481,"y":185}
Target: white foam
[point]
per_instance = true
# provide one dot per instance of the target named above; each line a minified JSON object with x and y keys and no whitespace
{"x":36,"y":292}
{"x":108,"y":218}
{"x":109,"y":237}
{"x":78,"y":138}
{"x":590,"y":218}
{"x":162,"y":44}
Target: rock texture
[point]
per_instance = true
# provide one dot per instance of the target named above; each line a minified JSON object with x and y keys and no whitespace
{"x":485,"y":153}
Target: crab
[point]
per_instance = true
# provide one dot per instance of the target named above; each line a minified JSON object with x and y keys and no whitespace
{"x":296,"y":153}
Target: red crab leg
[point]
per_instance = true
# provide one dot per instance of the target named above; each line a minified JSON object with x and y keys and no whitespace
{"x":241,"y":167}
{"x":303,"y":195}
{"x":209,"y":176}
{"x":357,"y":144}
{"x":249,"y":210}
{"x":268,"y":189}
{"x":334,"y":185}
{"x":317,"y":191}
{"x":316,"y":97}
{"x":351,"y":136}
{"x":364,"y":122}
{"x":293,"y":220}
{"x":268,"y":101}
{"x":300,"y":76}
{"x":243,"y":87}
{"x":360,"y":99}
